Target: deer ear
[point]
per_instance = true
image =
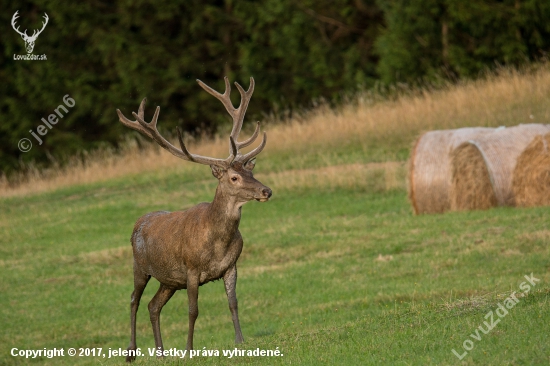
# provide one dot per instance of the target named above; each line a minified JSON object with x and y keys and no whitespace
{"x":249,"y":165}
{"x":217,"y":171}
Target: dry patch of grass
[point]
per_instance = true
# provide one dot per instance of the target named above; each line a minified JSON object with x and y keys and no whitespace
{"x":294,"y":256}
{"x":542,"y":235}
{"x":509,"y":97}
{"x":511,"y":252}
{"x":108,"y":256}
{"x":382,"y":177}
{"x":476,"y":302}
{"x":256,"y":270}
{"x":467,"y":304}
{"x":384,"y":258}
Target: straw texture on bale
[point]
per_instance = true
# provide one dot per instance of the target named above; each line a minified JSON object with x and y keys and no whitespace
{"x":531,"y":181}
{"x":499,"y":152}
{"x":471,"y":184}
{"x":429,"y":175}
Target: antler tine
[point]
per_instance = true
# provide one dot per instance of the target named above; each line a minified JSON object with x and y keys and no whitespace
{"x":224,"y":98}
{"x":241,"y":111}
{"x":182,"y":145}
{"x":141,"y":109}
{"x":251,"y":139}
{"x":134,"y":125}
{"x":234,"y":149}
{"x":256,"y":151}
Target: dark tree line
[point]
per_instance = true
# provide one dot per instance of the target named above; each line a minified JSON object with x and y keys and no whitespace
{"x":457,"y":38}
{"x":109,"y":55}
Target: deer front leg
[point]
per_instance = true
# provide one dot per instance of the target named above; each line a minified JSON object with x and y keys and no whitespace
{"x":230,"y":282}
{"x":193,"y":297}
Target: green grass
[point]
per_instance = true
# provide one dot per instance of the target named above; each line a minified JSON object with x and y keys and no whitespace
{"x":334,"y":276}
{"x":344,"y":277}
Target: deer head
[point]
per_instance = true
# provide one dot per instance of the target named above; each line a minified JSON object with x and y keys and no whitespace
{"x":29,"y":40}
{"x":235,"y":172}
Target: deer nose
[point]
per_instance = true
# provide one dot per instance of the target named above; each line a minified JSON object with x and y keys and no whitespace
{"x":266,"y":192}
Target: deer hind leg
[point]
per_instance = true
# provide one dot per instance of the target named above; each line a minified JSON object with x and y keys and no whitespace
{"x":230,"y":282}
{"x":140,"y":281}
{"x":162,"y":296}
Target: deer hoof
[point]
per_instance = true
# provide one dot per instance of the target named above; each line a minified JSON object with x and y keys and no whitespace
{"x":131,"y":354}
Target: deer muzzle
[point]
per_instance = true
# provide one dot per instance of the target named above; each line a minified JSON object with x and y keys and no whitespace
{"x":265,"y":194}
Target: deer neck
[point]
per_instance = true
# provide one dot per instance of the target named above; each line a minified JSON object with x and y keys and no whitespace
{"x":225,"y":212}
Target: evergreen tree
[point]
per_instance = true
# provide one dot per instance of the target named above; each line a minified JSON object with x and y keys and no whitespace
{"x":459,"y":38}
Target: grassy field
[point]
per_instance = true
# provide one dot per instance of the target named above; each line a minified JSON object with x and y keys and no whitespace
{"x":335,"y":268}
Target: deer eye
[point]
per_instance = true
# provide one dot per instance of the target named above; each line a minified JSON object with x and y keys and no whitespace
{"x":234,"y":179}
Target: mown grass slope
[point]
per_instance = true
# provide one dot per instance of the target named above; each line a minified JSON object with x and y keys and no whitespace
{"x":335,"y":269}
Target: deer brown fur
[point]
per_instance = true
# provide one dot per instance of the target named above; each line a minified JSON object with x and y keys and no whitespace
{"x":186,"y":249}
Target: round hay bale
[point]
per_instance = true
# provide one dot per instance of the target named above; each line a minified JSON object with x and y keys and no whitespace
{"x":471,"y":184}
{"x":429,"y":175}
{"x":499,"y":151}
{"x":531,"y":180}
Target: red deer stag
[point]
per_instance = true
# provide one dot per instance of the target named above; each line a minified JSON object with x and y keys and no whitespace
{"x":186,"y":249}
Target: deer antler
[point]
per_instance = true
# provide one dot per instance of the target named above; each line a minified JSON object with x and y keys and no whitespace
{"x":13,"y":20}
{"x":149,"y":129}
{"x":238,"y":116}
{"x":24,"y":34}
